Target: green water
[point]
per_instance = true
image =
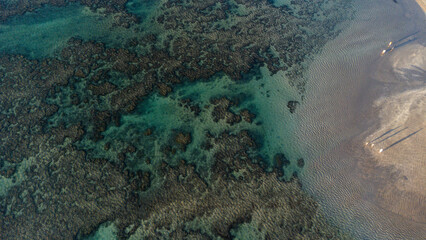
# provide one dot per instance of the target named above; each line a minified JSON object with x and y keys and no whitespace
{"x":261,"y":93}
{"x":106,"y":231}
{"x":142,"y":8}
{"x":44,"y":32}
{"x":246,"y":231}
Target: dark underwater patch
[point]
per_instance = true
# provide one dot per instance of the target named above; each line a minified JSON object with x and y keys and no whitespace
{"x":157,"y":131}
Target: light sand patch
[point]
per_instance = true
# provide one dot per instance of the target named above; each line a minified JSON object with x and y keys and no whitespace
{"x":374,"y":195}
{"x":398,"y":145}
{"x":422,"y":4}
{"x":402,"y":153}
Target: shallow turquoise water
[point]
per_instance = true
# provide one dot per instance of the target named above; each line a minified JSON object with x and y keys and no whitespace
{"x":44,"y":32}
{"x":142,"y":8}
{"x":262,"y":94}
{"x":106,"y":231}
{"x":338,"y":110}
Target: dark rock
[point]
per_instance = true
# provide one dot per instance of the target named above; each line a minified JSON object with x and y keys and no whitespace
{"x":107,"y":146}
{"x":182,"y":139}
{"x":292,"y":105}
{"x":148,"y":132}
{"x":221,"y":111}
{"x":281,"y":160}
{"x":300,"y":163}
{"x":102,"y":89}
{"x":247,"y":115}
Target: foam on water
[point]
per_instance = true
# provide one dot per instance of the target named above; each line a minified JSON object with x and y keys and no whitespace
{"x":341,"y":112}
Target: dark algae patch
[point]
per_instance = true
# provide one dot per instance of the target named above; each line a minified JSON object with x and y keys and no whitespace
{"x":163,"y":133}
{"x":292,"y":105}
{"x":10,"y":8}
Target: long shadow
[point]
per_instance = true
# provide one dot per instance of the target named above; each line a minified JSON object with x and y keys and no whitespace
{"x":384,"y":134}
{"x":392,"y":135}
{"x":414,"y":73}
{"x":397,"y":45}
{"x":403,"y":41}
{"x":402,"y":139}
{"x":408,"y":37}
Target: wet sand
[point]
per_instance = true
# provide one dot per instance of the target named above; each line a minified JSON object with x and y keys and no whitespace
{"x":422,"y":4}
{"x":402,"y":149}
{"x":356,"y":96}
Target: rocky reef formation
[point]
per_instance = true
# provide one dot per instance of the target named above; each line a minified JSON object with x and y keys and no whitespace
{"x":292,"y":105}
{"x":241,"y":196}
{"x":10,"y":8}
{"x":84,"y":142}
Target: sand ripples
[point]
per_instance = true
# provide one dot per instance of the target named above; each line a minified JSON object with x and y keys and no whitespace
{"x":360,"y":189}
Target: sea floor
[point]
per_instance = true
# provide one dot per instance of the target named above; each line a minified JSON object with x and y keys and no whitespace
{"x":222,"y":153}
{"x":366,"y":161}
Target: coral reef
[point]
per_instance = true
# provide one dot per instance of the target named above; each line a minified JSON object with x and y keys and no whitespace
{"x":101,"y":135}
{"x":292,"y":105}
{"x":9,"y":8}
{"x":221,"y":111}
{"x":240,"y":193}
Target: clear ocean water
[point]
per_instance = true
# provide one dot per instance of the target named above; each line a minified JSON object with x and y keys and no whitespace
{"x":333,"y":117}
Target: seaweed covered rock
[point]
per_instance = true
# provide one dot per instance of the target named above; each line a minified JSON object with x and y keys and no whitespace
{"x":292,"y":105}
{"x":79,"y":148}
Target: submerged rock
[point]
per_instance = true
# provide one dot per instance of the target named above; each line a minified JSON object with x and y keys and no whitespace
{"x":292,"y":105}
{"x":86,"y":154}
{"x":182,"y":139}
{"x":300,"y":162}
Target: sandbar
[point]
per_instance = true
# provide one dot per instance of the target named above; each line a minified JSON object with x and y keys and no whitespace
{"x":422,"y":4}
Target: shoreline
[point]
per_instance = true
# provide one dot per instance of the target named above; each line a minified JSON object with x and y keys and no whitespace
{"x":422,"y":4}
{"x":401,"y":112}
{"x":341,"y":173}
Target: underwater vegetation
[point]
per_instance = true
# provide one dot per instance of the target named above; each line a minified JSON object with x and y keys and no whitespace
{"x":167,"y":136}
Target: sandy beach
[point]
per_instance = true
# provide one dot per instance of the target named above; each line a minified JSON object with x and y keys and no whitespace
{"x":398,"y":143}
{"x":422,"y":4}
{"x":380,"y":193}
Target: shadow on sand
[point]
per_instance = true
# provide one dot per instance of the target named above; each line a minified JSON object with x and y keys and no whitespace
{"x":402,"y":139}
{"x":384,"y":134}
{"x":384,"y":139}
{"x":414,"y":73}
